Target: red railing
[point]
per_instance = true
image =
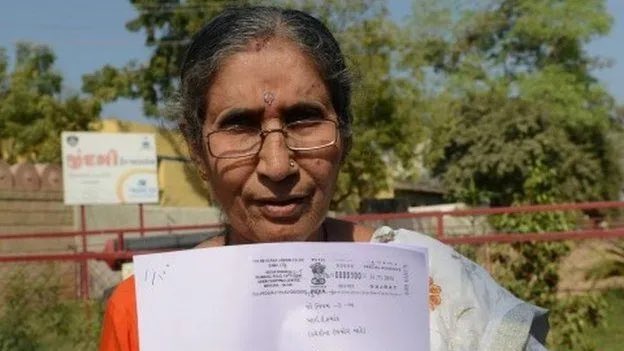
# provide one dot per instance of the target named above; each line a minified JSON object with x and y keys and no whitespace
{"x":82,"y":257}
{"x":581,"y":234}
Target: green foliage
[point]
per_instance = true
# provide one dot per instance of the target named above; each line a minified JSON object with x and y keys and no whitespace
{"x":34,"y":315}
{"x":619,"y":115}
{"x":530,"y":270}
{"x":516,"y":118}
{"x":495,"y":140}
{"x":609,"y":336}
{"x":33,"y":111}
{"x":513,"y":86}
{"x":385,"y":129}
{"x":571,"y":319}
{"x":168,"y":26}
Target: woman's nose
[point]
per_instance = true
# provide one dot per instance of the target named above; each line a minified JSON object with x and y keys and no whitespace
{"x":274,"y":157}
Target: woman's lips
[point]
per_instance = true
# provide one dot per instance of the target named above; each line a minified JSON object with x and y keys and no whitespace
{"x":281,"y":209}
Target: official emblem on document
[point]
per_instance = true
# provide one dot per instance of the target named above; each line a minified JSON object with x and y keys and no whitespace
{"x":318,"y":271}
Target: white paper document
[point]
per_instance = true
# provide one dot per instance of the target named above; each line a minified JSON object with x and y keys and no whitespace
{"x":283,"y":297}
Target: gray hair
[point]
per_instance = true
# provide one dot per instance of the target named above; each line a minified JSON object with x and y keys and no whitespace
{"x":232,"y":31}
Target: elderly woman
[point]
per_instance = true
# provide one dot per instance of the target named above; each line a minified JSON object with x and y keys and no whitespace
{"x":264,"y":105}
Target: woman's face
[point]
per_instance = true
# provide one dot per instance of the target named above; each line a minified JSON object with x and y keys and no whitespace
{"x":278,"y":195}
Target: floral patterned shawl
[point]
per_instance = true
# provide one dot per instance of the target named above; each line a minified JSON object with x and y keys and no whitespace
{"x":469,"y":310}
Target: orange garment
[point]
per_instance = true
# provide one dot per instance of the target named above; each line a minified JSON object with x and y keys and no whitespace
{"x":120,"y":329}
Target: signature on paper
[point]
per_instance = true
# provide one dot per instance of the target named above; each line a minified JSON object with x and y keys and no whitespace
{"x":152,"y":276}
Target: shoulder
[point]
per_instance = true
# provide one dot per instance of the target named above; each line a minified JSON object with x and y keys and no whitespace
{"x":444,"y":261}
{"x":119,"y":327}
{"x":121,"y":305}
{"x":471,"y":309}
{"x":124,"y":293}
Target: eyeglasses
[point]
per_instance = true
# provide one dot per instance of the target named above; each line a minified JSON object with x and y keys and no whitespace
{"x":244,"y":141}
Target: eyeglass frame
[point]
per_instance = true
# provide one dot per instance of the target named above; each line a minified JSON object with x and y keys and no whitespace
{"x":264,"y":132}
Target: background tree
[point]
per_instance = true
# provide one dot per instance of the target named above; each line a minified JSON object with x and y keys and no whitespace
{"x":515,"y":117}
{"x":619,"y":115}
{"x":514,"y":89}
{"x":383,"y":128}
{"x":33,"y":110}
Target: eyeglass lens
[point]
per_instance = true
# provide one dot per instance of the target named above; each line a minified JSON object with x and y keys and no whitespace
{"x":243,"y":141}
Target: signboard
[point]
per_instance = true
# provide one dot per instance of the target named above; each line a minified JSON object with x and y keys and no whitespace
{"x":109,"y":168}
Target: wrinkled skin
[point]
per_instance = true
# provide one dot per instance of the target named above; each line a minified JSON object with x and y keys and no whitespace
{"x":268,"y":197}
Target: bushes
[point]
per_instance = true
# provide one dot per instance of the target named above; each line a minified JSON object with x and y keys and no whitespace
{"x":530,"y":270}
{"x":35,"y":316}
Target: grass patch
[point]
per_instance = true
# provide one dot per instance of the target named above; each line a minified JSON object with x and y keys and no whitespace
{"x":37,"y":315}
{"x":609,"y":336}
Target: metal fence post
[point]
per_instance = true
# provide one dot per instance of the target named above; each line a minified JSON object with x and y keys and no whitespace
{"x":440,"y":225}
{"x":84,"y":266}
{"x":141,"y":220}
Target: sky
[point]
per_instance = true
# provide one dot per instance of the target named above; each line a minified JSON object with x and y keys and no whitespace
{"x":87,"y":34}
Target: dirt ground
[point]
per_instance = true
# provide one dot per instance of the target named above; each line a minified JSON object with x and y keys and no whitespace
{"x":585,"y":255}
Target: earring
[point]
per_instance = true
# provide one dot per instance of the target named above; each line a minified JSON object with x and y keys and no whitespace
{"x":292,"y":163}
